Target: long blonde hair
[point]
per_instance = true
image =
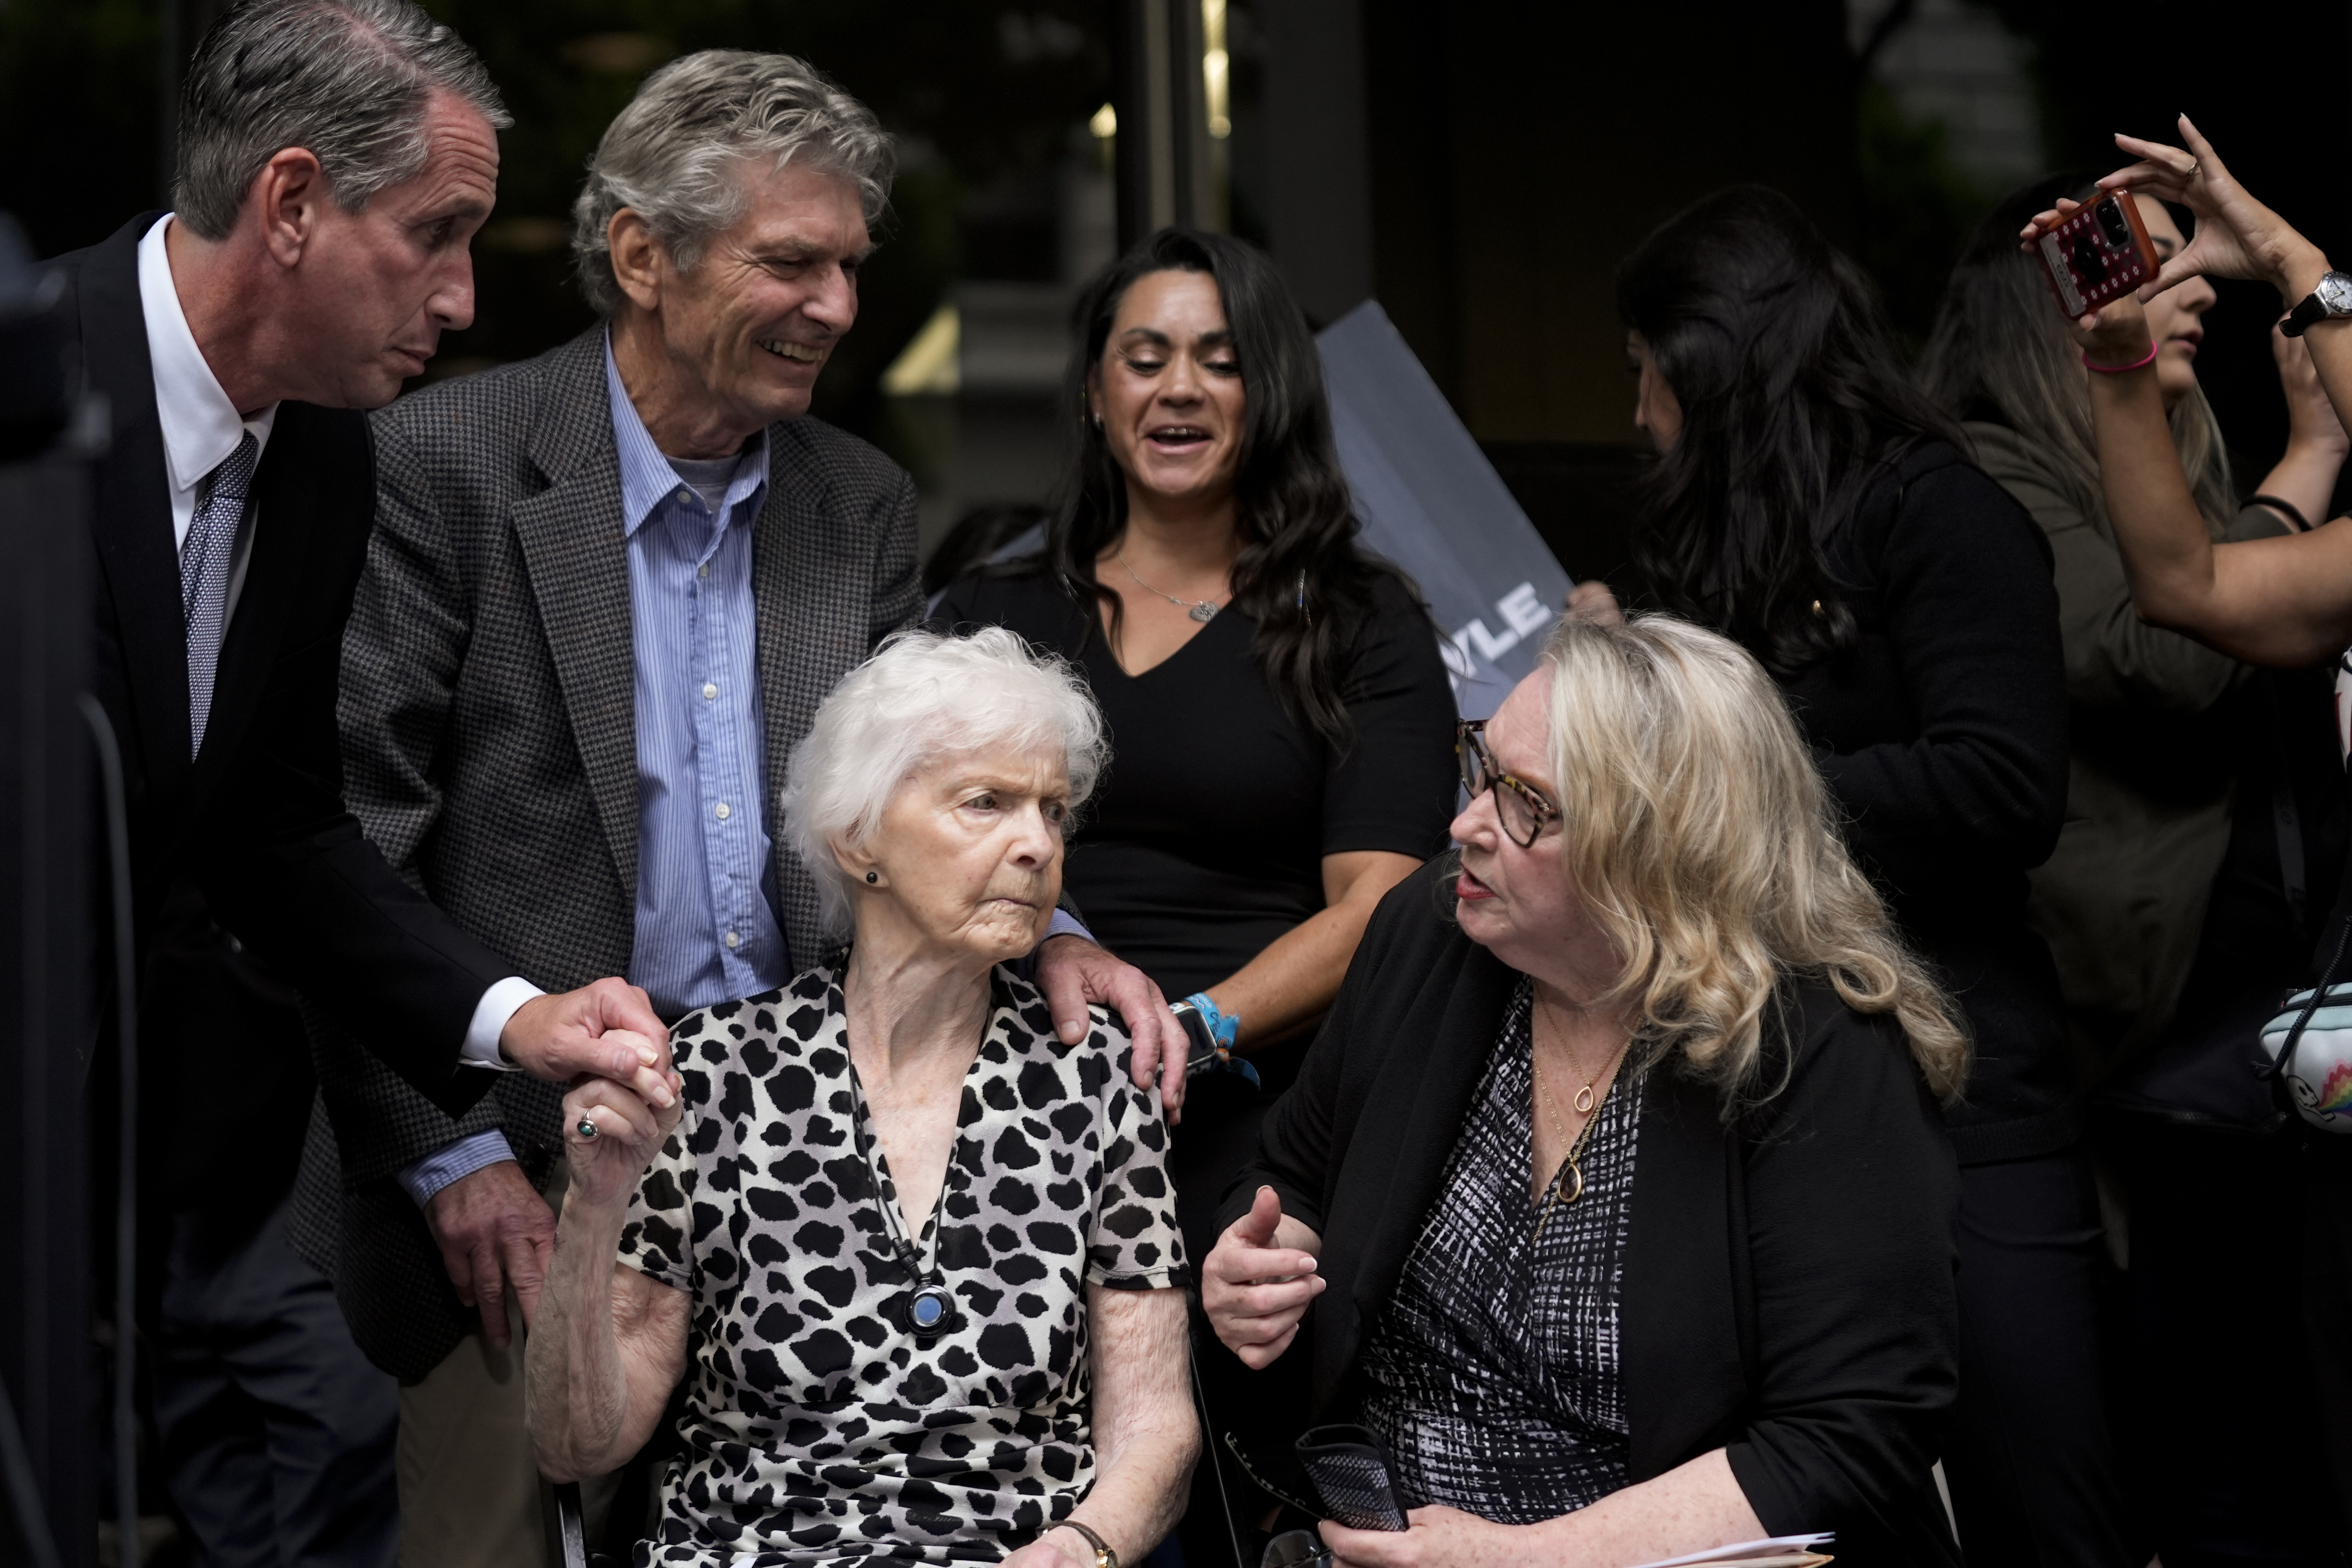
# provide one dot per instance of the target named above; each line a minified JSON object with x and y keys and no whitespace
{"x":1701,"y":839}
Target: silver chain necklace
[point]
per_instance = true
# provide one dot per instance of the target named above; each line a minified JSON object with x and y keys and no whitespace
{"x":1202,"y":610}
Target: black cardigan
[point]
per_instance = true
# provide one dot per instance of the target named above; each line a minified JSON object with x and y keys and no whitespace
{"x":1942,"y":732}
{"x":1787,"y":1282}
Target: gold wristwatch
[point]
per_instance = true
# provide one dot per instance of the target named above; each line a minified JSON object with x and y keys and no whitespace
{"x":1104,"y":1556}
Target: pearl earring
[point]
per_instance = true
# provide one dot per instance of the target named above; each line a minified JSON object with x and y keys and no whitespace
{"x":872,"y":878}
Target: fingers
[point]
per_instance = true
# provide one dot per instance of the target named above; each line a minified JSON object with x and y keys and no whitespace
{"x":1062,"y":976}
{"x":1256,"y":1227}
{"x":524,"y":1256}
{"x":490,"y":1291}
{"x":616,"y":1111}
{"x":626,"y":1007}
{"x":1258,"y":1357}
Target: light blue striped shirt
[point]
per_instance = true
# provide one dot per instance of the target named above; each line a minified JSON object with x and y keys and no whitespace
{"x":705,"y":921}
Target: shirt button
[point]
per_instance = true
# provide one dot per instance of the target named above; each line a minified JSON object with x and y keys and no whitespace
{"x":683,"y":498}
{"x":732,"y":943}
{"x":710,"y":690}
{"x":703,"y":570}
{"x":723,"y":812}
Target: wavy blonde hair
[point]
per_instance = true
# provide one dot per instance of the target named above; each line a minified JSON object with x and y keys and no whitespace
{"x":1701,"y":838}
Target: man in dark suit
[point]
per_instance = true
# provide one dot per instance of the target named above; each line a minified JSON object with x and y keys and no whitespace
{"x":610,"y":588}
{"x":236,"y":342}
{"x":336,"y":156}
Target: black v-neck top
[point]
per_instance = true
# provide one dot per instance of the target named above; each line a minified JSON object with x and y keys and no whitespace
{"x":1205,"y":839}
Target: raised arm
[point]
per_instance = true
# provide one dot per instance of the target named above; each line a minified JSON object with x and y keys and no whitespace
{"x":610,"y":1343}
{"x":2285,"y":602}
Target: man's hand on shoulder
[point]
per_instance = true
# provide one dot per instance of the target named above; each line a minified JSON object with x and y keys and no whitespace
{"x":1073,"y":973}
{"x":607,"y":1029}
{"x":496,"y":1234}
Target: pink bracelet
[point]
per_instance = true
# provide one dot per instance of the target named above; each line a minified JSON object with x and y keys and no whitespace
{"x":2147,"y":359}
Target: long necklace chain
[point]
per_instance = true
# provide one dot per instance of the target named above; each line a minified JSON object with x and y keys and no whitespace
{"x":1587,"y":1106}
{"x":1201,"y":610}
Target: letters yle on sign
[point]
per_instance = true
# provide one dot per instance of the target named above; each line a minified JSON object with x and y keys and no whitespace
{"x":1430,"y":502}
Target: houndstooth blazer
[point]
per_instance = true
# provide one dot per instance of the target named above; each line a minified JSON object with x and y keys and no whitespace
{"x":490,"y":744}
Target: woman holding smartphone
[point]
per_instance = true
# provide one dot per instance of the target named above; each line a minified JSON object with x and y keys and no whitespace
{"x":2171,"y":914}
{"x":1810,"y":502}
{"x":2283,"y":601}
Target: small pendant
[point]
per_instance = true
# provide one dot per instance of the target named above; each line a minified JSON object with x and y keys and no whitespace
{"x":1584,"y":1101}
{"x":1203,"y":612}
{"x":931,"y":1310}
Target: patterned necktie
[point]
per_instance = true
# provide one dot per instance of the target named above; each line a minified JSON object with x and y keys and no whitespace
{"x":204,"y":575}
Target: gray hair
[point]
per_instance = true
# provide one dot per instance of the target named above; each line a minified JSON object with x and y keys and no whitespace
{"x":671,"y":156}
{"x":920,"y":697}
{"x":348,"y":80}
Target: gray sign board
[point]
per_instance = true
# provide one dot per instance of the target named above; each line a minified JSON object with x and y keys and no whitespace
{"x":1430,"y":502}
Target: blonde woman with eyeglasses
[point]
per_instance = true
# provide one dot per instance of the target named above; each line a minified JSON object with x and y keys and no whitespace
{"x":1615,"y":1199}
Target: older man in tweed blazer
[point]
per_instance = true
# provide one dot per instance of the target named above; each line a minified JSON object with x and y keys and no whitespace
{"x":607,"y":590}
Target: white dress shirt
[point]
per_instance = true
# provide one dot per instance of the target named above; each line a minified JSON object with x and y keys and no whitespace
{"x":201,"y":428}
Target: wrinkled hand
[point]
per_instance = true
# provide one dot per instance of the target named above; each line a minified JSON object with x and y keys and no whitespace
{"x":2237,"y":237}
{"x":1255,"y":1293}
{"x":1591,"y":601}
{"x":1073,"y":973}
{"x":1433,"y":1538}
{"x":607,"y":1029}
{"x":495,"y":1233}
{"x":629,"y":1133}
{"x":2310,"y":417}
{"x":1055,"y":1548}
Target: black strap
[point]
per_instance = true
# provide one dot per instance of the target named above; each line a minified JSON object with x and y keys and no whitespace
{"x":2285,"y":509}
{"x":2285,"y":1062}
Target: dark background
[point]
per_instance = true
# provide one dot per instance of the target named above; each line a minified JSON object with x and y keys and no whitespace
{"x":1515,"y":149}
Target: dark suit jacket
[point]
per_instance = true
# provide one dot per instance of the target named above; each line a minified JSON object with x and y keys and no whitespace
{"x":1788,"y":1289}
{"x":258,"y":821}
{"x":489,"y":732}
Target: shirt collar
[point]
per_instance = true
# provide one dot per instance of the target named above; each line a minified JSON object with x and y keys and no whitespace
{"x":647,"y":478}
{"x":201,"y":427}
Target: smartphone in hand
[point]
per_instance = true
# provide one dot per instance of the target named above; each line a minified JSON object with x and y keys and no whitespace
{"x":2097,"y":253}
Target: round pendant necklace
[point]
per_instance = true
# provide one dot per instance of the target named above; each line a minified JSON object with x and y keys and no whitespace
{"x":927,"y":1311}
{"x":1202,"y":610}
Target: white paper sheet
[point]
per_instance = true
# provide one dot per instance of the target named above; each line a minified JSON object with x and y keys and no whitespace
{"x":1778,"y":1545}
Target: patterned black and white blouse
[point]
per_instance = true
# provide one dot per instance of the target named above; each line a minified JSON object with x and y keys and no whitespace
{"x":817,"y":1430}
{"x":1494,"y":1372}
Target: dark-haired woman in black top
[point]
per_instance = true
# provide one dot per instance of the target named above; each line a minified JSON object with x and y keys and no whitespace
{"x":1808,"y":502}
{"x":1281,"y":724}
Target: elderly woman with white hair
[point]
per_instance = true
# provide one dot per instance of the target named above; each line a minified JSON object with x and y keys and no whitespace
{"x":1613,"y":1198}
{"x":916,"y":1257}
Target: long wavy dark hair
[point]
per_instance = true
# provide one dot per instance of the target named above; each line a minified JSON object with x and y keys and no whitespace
{"x":1299,"y":574}
{"x":1793,"y":403}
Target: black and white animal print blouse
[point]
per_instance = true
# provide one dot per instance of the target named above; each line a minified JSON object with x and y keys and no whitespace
{"x":817,"y":1429}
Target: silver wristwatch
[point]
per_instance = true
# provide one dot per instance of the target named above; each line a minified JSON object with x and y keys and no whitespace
{"x":2332,"y":298}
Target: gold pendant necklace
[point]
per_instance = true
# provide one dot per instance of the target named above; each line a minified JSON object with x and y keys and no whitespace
{"x":1585,"y":1103}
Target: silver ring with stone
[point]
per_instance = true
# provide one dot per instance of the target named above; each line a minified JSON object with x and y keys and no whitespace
{"x":586,"y":1128}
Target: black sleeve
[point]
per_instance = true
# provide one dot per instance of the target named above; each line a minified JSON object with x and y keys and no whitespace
{"x":1393,"y":787}
{"x":1851,"y":1193}
{"x":1973,"y":615}
{"x":286,"y":867}
{"x":1295,"y":1141}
